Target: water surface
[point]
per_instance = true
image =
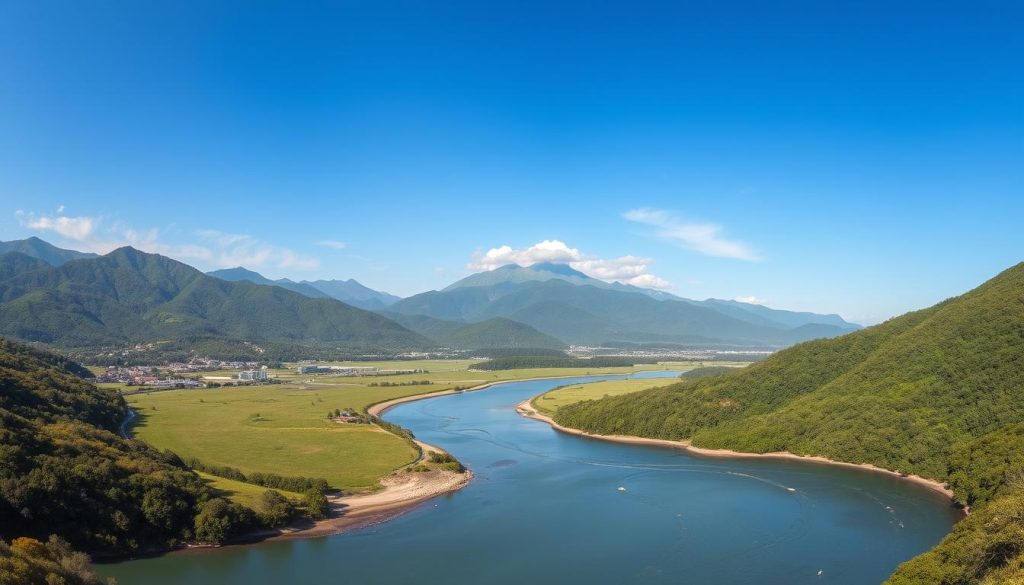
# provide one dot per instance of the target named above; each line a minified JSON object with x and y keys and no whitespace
{"x":545,"y":507}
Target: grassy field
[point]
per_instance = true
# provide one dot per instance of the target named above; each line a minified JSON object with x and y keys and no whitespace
{"x":283,"y":428}
{"x":246,"y":494}
{"x":549,"y":402}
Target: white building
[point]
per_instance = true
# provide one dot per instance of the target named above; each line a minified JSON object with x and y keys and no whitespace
{"x":260,"y":374}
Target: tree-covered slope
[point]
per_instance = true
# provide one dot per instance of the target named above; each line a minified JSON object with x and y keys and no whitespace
{"x":937,"y":392}
{"x":500,"y":333}
{"x":129,"y":296}
{"x":64,"y":470}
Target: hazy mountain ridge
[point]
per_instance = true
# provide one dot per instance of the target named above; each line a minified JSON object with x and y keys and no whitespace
{"x":564,"y":303}
{"x":350,"y":291}
{"x":42,"y":250}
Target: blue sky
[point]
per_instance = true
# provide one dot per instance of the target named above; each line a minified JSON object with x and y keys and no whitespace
{"x":865,"y":158}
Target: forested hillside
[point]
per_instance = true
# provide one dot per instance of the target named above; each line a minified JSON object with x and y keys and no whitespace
{"x":65,"y":471}
{"x":129,"y":296}
{"x":937,"y":392}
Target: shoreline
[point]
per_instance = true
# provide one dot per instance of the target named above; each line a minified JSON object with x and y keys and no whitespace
{"x":402,"y":491}
{"x":527,"y":410}
{"x":382,"y":407}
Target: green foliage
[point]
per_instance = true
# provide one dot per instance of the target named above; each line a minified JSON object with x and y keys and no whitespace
{"x":275,"y":509}
{"x":544,"y":361}
{"x":706,"y":372}
{"x":935,"y":392}
{"x":64,"y":470}
{"x":218,"y":520}
{"x":316,"y":504}
{"x":27,"y":561}
{"x":268,"y":480}
{"x":445,"y":461}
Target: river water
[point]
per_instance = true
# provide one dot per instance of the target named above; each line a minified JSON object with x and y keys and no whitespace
{"x":545,"y":507}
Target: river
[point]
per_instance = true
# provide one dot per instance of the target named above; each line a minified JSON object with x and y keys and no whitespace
{"x":545,"y":507}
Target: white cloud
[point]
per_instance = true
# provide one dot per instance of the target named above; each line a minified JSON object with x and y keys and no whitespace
{"x":332,"y":244}
{"x":751,"y":300}
{"x":79,"y":229}
{"x":245,"y":250}
{"x":705,"y":238}
{"x":215,"y":249}
{"x":625,"y":269}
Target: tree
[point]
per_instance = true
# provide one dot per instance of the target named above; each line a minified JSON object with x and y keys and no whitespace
{"x":316,"y":504}
{"x":275,"y":509}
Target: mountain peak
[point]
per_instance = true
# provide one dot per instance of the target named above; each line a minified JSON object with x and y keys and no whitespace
{"x":558,"y":268}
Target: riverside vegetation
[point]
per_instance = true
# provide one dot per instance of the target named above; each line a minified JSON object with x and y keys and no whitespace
{"x":936,"y":392}
{"x":65,"y":471}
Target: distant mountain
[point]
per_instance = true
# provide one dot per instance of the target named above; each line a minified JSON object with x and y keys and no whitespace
{"x":760,"y":314}
{"x":495,"y":333}
{"x":935,"y":392}
{"x":352,"y":292}
{"x":44,"y":251}
{"x":568,"y":305}
{"x":129,"y":296}
{"x":241,"y":274}
{"x":544,"y":271}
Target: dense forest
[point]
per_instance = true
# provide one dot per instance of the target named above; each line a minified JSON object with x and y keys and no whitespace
{"x":937,"y":392}
{"x":69,"y":481}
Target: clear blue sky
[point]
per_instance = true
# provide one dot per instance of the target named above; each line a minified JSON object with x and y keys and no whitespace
{"x":865,"y":158}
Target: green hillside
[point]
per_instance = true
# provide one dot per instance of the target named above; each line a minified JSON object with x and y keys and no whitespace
{"x":64,"y":470}
{"x":500,"y":333}
{"x":41,"y":250}
{"x":937,"y":392}
{"x":129,"y":296}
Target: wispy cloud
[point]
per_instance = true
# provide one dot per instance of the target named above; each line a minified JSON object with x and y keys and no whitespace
{"x":79,"y":229}
{"x":627,"y":269}
{"x":332,"y":244}
{"x":751,"y":300}
{"x":705,"y":238}
{"x":214,"y":248}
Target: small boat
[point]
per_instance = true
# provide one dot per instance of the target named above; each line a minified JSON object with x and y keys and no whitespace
{"x":791,"y":490}
{"x":820,"y":572}
{"x":622,"y":489}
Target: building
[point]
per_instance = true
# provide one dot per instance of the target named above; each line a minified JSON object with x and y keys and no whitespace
{"x":254,"y":375}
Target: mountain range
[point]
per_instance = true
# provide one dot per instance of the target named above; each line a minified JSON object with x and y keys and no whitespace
{"x":74,"y":299}
{"x":128,"y":296}
{"x":347,"y":291}
{"x":573,"y":307}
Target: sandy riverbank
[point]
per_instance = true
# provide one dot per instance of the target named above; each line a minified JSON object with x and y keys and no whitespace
{"x":527,"y":410}
{"x":401,"y":491}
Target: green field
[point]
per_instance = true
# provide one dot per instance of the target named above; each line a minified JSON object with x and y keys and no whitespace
{"x":283,"y":428}
{"x":549,"y":402}
{"x":246,"y":494}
